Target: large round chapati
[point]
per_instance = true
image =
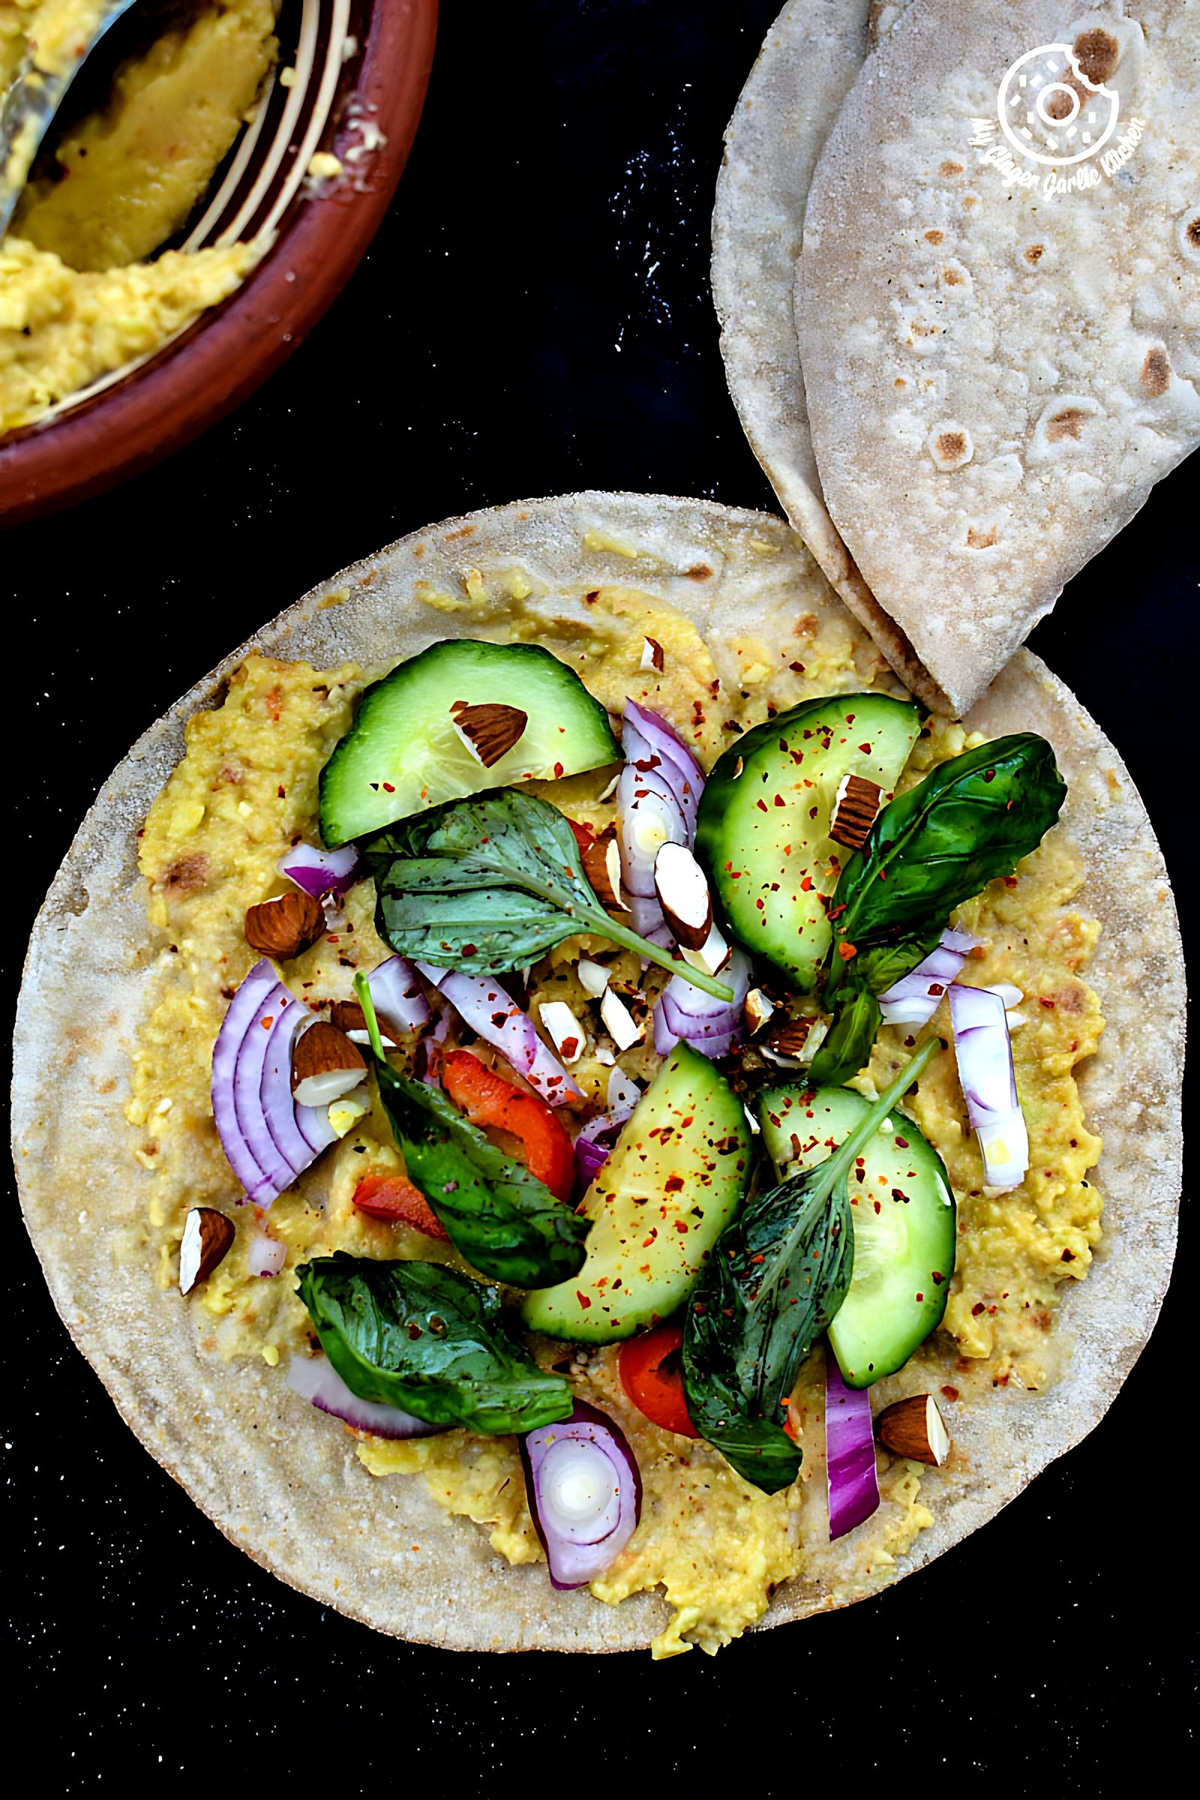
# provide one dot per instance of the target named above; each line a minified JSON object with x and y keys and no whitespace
{"x":996,"y":376}
{"x":272,"y":1473}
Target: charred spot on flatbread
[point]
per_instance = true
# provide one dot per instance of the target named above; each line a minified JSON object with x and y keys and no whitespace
{"x":1068,"y":423}
{"x":1156,"y":371}
{"x":1097,"y":52}
{"x":187,"y":875}
{"x":1034,"y":254}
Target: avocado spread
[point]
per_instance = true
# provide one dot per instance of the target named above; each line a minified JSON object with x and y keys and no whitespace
{"x":79,"y":296}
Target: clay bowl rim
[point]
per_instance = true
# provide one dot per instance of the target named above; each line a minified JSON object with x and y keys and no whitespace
{"x":227,"y":353}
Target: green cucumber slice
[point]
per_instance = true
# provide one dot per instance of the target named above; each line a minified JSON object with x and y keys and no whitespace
{"x":904,"y":1217}
{"x":403,"y":753}
{"x":763,"y":829}
{"x":673,"y":1182}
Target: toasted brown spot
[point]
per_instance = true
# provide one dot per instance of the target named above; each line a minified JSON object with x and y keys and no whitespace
{"x":1060,"y":106}
{"x":699,"y":572}
{"x":934,"y":237}
{"x":1097,"y":52}
{"x":981,"y":540}
{"x":950,"y":168}
{"x":900,"y":381}
{"x":951,"y":445}
{"x":1068,"y":423}
{"x":805,"y":626}
{"x":951,"y":277}
{"x":1034,"y":254}
{"x":188,"y":874}
{"x":1156,"y":371}
{"x":1192,"y":232}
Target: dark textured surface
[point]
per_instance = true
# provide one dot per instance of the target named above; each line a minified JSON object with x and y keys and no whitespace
{"x":535,"y":317}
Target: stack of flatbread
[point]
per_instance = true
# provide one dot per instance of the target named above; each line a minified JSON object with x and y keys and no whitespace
{"x":957,"y":264}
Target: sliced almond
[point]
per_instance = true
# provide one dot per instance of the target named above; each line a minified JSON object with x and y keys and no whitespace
{"x":345,"y":1113}
{"x":794,"y":1041}
{"x":207,"y":1235}
{"x":325,"y":1065}
{"x":568,"y":1035}
{"x":593,"y":976}
{"x":602,"y":866}
{"x":757,"y":1010}
{"x":286,"y":927}
{"x":619,"y":1022}
{"x":489,"y":730}
{"x":684,"y":896}
{"x":652,"y":654}
{"x":914,"y":1427}
{"x":712,"y":956}
{"x":348,"y":1016}
{"x":855,"y":808}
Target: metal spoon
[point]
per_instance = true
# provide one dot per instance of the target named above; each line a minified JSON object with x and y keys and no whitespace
{"x":37,"y":90}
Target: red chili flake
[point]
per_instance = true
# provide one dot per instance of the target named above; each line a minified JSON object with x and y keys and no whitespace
{"x":1068,"y":1256}
{"x":865,"y":748}
{"x":937,"y":1279}
{"x":1010,"y":881}
{"x":267,"y":1022}
{"x":950,"y":1393}
{"x":902,"y":1143}
{"x":499,"y":1019}
{"x":558,"y":770}
{"x":282,"y":793}
{"x":388,"y":788}
{"x":758,"y":1259}
{"x":582,"y":1298}
{"x":806,"y":884}
{"x":977,"y":1309}
{"x":646,"y":1242}
{"x":846,"y":951}
{"x":674,"y":1184}
{"x":920,"y":1297}
{"x":468,"y":949}
{"x":990,"y":775}
{"x":761,"y":804}
{"x":779,"y":801}
{"x":681,"y":1225}
{"x":835,"y":911}
{"x":1045,"y":1002}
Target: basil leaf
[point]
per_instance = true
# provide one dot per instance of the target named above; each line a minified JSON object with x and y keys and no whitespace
{"x":491,"y":883}
{"x":971,"y":819}
{"x":772,"y":1285}
{"x":846,"y":1048}
{"x":504,"y":1220}
{"x":426,"y":1339}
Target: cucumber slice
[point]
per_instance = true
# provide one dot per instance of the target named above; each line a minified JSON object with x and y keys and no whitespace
{"x":659,"y":1204}
{"x":904,"y":1217}
{"x":403,"y":753}
{"x":763,"y":830}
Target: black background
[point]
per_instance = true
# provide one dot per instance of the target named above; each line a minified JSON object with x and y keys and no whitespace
{"x":535,"y":317}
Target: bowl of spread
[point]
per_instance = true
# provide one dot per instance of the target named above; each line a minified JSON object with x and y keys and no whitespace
{"x":215,"y":174}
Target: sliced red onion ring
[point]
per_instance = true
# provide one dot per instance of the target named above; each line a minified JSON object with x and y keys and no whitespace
{"x":914,"y":998}
{"x":590,"y":1158}
{"x":658,"y":796}
{"x":265,"y":1145}
{"x":585,"y":1493}
{"x":849,"y":1452}
{"x":983,"y":1048}
{"x":266,"y":1255}
{"x":684,"y":1012}
{"x":483,"y":1004}
{"x":315,"y":1378}
{"x":321,"y":872}
{"x":397,"y":995}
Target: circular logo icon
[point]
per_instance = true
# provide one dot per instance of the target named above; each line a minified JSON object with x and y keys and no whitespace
{"x":1050,"y":112}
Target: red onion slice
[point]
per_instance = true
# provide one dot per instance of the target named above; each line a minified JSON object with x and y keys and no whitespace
{"x":242,"y":1008}
{"x":658,"y":796}
{"x":315,"y":1378}
{"x":983,"y":1048}
{"x":645,"y":732}
{"x":321,"y":872}
{"x":585,"y":1493}
{"x":397,"y":995}
{"x":277,"y":1172}
{"x":684,"y":1012}
{"x":914,"y":998}
{"x":264,"y":1144}
{"x":590,"y":1158}
{"x":483,"y":1004}
{"x":266,"y":1255}
{"x":849,"y":1452}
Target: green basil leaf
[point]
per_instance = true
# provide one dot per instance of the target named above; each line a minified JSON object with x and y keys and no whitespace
{"x":426,"y":1339}
{"x":846,"y":1048}
{"x":491,"y":883}
{"x":504,"y":1220}
{"x":971,"y":819}
{"x":775,"y":1280}
{"x":773,"y":1284}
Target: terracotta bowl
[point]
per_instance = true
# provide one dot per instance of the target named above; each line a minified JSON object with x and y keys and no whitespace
{"x":361,"y":70}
